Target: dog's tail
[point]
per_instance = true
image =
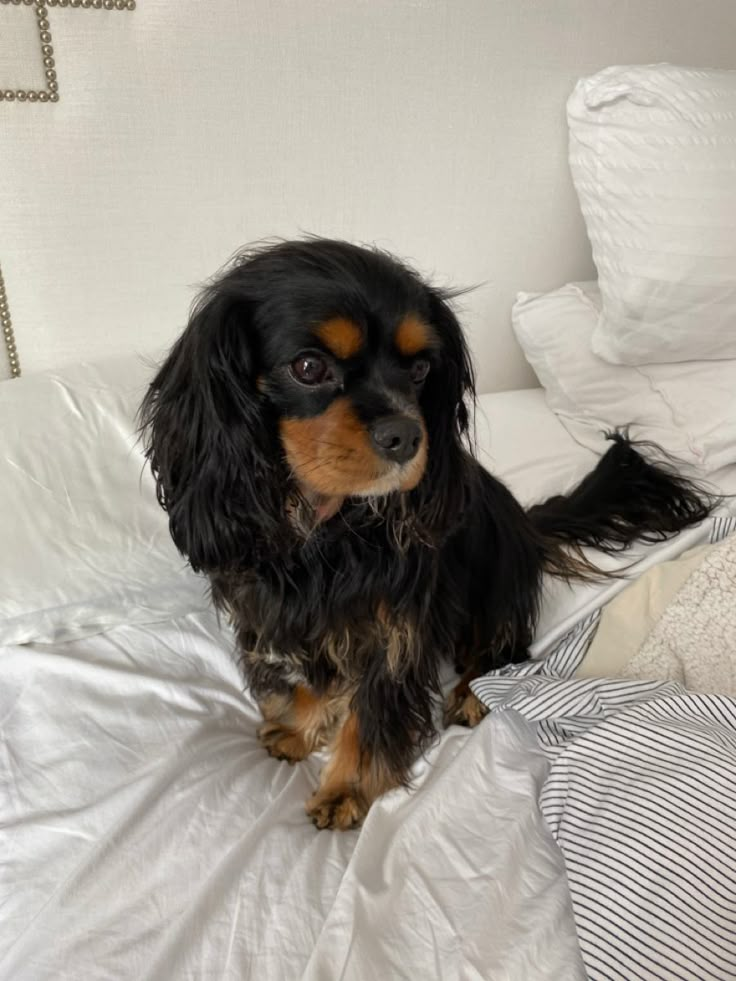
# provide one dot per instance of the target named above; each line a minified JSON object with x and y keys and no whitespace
{"x":626,"y":498}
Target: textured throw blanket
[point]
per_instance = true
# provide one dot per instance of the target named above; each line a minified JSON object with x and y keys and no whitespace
{"x":676,"y":623}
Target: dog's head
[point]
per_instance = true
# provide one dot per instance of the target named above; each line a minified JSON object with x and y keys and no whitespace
{"x":312,"y":370}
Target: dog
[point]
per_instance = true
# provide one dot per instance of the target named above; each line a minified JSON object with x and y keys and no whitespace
{"x":309,"y":437}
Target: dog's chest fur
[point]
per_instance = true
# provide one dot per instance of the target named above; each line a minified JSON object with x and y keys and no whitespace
{"x":360,"y":595}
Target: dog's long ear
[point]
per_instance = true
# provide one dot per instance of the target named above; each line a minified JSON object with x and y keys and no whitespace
{"x":210,"y":443}
{"x":447,"y":399}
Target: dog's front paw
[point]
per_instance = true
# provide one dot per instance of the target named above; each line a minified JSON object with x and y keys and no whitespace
{"x":282,"y":742}
{"x":462,"y":708}
{"x":338,"y":810}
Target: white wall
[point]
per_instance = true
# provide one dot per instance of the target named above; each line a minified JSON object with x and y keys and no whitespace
{"x":186,"y":128}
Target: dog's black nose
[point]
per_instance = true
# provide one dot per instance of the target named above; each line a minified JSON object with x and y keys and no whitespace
{"x":396,"y":437}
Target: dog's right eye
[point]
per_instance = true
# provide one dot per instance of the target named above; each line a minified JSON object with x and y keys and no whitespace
{"x":310,"y":369}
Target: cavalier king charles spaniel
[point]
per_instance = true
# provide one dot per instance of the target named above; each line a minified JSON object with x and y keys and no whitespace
{"x":309,"y":437}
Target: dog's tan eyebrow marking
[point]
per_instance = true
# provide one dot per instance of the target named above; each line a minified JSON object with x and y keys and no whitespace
{"x":413,"y":335}
{"x":343,"y":337}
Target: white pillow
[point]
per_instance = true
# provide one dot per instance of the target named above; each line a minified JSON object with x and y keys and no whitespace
{"x":653,"y":159}
{"x":84,"y":543}
{"x":689,"y":409}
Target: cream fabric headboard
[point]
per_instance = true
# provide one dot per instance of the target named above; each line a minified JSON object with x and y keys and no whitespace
{"x":159,"y":136}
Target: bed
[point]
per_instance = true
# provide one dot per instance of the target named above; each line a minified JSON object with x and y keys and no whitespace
{"x":585,"y":829}
{"x":146,"y":834}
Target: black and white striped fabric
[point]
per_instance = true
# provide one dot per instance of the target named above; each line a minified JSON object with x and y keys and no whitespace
{"x":641,"y":797}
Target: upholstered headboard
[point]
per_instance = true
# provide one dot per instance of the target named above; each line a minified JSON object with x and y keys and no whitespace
{"x":141,"y":143}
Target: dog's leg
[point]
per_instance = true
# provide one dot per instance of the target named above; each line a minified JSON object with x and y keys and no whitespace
{"x":462,"y":707}
{"x":351,"y":780}
{"x":389,"y":721}
{"x":297,"y":723}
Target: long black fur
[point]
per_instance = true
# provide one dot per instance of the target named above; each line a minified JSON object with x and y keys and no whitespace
{"x":456,"y":563}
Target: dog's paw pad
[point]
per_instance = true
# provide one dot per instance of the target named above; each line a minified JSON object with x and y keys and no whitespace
{"x":338,"y":811}
{"x":463,"y":708}
{"x":283,"y":743}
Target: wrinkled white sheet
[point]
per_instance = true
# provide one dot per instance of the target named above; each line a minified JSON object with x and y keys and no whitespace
{"x":146,"y":835}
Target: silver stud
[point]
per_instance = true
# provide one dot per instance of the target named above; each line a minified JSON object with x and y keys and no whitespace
{"x":54,"y":97}
{"x":2,"y":95}
{"x":33,"y":96}
{"x":40,"y":12}
{"x":43,"y":25}
{"x":97,"y":4}
{"x":9,"y":95}
{"x":76,"y":3}
{"x":21,"y":95}
{"x":52,"y":86}
{"x":45,"y":37}
{"x":109,"y":4}
{"x":47,"y":49}
{"x":63,"y":3}
{"x":131,"y":5}
{"x":51,"y":74}
{"x":49,"y":62}
{"x":120,"y":4}
{"x":43,"y":97}
{"x":86,"y":3}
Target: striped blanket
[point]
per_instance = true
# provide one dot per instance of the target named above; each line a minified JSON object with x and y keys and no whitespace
{"x":641,"y":789}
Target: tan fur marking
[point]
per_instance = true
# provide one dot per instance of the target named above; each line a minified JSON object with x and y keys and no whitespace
{"x":463,"y":708}
{"x":332,"y":455}
{"x":349,"y":783}
{"x":399,"y":639}
{"x":341,"y":336}
{"x":413,"y":335}
{"x":298,"y":724}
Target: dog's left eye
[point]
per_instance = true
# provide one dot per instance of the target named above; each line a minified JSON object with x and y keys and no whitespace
{"x":419,"y":370}
{"x":310,"y":369}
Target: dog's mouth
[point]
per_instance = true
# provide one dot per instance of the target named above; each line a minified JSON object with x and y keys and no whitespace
{"x":327,"y":500}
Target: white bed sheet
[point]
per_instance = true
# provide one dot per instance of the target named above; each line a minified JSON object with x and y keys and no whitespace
{"x":145,"y":834}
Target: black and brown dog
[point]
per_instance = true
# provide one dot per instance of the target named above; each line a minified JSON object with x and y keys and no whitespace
{"x":308,"y":433}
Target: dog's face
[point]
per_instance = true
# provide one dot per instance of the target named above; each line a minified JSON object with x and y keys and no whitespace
{"x":347,"y":389}
{"x":315,"y":365}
